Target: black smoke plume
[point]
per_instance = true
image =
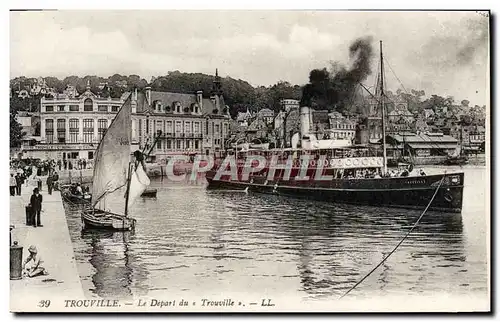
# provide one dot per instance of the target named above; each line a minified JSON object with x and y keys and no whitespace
{"x":336,"y":88}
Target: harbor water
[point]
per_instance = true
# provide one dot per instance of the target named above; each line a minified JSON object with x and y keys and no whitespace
{"x":192,"y":241}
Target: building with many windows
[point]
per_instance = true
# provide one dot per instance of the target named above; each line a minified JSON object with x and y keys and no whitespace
{"x":341,"y":128}
{"x":73,"y":125}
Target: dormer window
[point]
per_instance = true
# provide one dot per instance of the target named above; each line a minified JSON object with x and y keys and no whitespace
{"x":88,"y":105}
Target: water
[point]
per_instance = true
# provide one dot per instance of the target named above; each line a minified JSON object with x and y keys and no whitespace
{"x":191,"y":241}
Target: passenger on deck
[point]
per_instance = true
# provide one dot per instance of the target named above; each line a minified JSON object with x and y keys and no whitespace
{"x":422,"y":173}
{"x":78,"y":189}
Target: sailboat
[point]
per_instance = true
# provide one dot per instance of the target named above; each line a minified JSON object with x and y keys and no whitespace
{"x":113,"y":171}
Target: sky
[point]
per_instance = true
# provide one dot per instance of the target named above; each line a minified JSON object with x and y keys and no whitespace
{"x":443,"y":53}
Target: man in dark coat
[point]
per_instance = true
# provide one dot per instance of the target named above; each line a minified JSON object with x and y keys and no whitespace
{"x":36,"y":207}
{"x":19,"y":183}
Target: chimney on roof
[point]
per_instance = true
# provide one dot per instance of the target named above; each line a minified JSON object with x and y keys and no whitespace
{"x":148,"y":94}
{"x":199,"y":99}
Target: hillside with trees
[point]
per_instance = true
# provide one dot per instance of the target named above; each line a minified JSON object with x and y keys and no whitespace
{"x":238,"y":94}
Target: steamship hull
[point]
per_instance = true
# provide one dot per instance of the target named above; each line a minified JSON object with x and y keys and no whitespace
{"x":401,"y":192}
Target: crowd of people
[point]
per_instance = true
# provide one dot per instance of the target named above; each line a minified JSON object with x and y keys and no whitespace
{"x":376,"y":173}
{"x":43,"y":166}
{"x":79,"y":164}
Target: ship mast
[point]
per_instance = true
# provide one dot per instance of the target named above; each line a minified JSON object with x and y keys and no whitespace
{"x":384,"y":171}
{"x":127,"y":193}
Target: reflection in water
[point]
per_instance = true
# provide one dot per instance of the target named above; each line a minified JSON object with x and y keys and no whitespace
{"x":116,"y":267}
{"x":110,"y":258}
{"x":192,"y":241}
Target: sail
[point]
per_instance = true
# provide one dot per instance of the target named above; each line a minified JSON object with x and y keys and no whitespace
{"x":139,"y":181}
{"x":113,"y":155}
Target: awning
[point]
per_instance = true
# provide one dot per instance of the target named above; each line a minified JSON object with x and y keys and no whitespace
{"x":431,"y":146}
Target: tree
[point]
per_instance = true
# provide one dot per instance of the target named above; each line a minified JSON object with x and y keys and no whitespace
{"x":16,"y":133}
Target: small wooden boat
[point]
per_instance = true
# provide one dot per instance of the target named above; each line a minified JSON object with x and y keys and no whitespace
{"x":100,"y":219}
{"x":68,"y":195}
{"x":456,"y":160}
{"x":149,"y":193}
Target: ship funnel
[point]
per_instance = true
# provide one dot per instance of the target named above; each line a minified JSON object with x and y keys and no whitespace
{"x":305,"y":120}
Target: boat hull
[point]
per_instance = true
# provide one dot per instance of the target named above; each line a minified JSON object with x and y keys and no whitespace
{"x":401,"y":192}
{"x":99,"y":219}
{"x":149,"y":193}
{"x":76,"y":198}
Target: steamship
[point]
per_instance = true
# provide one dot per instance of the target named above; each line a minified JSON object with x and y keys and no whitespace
{"x":337,"y":171}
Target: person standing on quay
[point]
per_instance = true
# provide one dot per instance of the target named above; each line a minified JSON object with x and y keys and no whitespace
{"x":13,"y":185}
{"x":36,"y":206}
{"x":49,"y":183}
{"x":19,"y":183}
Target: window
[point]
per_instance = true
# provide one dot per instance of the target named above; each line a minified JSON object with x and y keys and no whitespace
{"x":169,"y":144}
{"x":102,"y":108}
{"x":178,"y":127}
{"x":140,"y":130}
{"x":217,"y":129}
{"x":88,"y":105}
{"x":102,"y":125}
{"x":159,"y":127}
{"x":60,"y":108}
{"x":158,"y":144}
{"x":206,"y":128}
{"x":90,"y":155}
{"x":178,"y":144}
{"x":187,"y":144}
{"x":74,"y":108}
{"x":196,"y":144}
{"x":187,"y":127}
{"x":49,"y":131}
{"x":114,"y":108}
{"x":49,"y":108}
{"x":196,"y":127}
{"x":61,"y":130}
{"x":49,"y":124}
{"x":225,"y":128}
{"x":88,"y":130}
{"x":169,"y":127}
{"x":73,"y":130}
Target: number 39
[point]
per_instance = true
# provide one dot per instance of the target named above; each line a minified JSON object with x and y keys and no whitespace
{"x":44,"y":303}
